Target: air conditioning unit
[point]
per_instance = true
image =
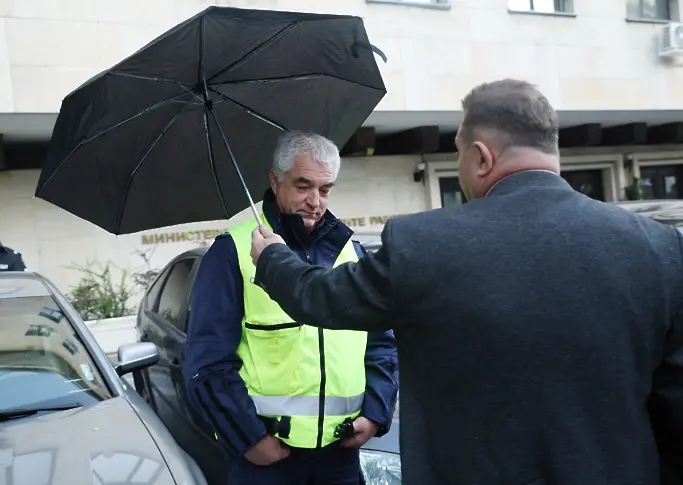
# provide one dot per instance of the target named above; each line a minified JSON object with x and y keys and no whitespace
{"x":671,"y":40}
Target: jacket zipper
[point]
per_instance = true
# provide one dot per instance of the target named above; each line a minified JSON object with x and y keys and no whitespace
{"x":323,"y":376}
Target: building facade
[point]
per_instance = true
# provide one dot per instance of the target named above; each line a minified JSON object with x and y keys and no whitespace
{"x":620,"y":104}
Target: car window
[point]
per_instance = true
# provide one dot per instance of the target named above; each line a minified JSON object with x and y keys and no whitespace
{"x":175,"y":293}
{"x":152,"y":297}
{"x":43,"y":362}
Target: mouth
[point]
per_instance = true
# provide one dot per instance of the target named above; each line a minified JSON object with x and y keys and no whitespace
{"x":307,"y":215}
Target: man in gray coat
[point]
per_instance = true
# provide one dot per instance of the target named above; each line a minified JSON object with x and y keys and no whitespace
{"x":539,"y":331}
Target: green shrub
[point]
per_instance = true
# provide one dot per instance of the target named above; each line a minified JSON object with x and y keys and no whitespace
{"x":96,"y":296}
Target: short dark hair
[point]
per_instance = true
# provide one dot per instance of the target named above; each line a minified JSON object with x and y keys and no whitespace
{"x":515,"y":109}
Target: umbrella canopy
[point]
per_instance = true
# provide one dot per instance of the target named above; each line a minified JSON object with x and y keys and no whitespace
{"x":151,"y":142}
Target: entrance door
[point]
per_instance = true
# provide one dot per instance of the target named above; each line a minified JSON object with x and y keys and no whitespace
{"x":451,"y":193}
{"x":588,"y":182}
{"x":661,"y":182}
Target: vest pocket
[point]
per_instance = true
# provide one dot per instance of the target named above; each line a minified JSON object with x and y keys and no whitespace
{"x":276,"y":355}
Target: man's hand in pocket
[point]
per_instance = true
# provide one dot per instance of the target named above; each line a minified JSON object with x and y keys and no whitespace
{"x":267,"y":451}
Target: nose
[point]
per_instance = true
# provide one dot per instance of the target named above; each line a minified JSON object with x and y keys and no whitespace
{"x":313,"y":199}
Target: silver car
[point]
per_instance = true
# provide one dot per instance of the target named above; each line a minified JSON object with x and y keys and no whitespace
{"x":66,"y":415}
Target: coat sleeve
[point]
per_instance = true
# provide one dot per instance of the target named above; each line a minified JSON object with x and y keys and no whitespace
{"x":381,"y":375}
{"x":352,"y":296}
{"x":666,"y":406}
{"x":215,"y":389}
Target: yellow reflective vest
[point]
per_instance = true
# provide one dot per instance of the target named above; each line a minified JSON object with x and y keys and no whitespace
{"x":314,"y":378}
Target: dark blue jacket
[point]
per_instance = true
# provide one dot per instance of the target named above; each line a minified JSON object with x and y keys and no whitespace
{"x":215,"y":389}
{"x":10,"y":260}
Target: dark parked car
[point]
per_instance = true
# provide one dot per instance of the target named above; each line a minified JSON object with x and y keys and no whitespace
{"x":66,"y":415}
{"x":162,"y":320}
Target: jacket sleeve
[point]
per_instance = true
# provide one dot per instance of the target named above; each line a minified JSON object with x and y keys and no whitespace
{"x":352,"y":296}
{"x":17,"y":263}
{"x":215,"y":389}
{"x":381,"y":375}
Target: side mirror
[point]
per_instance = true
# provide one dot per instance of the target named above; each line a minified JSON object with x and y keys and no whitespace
{"x":136,"y":356}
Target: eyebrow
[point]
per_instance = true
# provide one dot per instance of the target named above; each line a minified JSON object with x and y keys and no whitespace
{"x":305,"y":180}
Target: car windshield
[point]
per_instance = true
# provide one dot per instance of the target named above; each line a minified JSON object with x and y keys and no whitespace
{"x":43,"y":363}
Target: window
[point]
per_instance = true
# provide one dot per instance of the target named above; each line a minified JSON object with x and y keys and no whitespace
{"x":588,"y":182}
{"x":451,"y":193}
{"x":541,"y":6}
{"x":176,"y":293}
{"x":661,"y":182}
{"x":152,"y":297}
{"x":651,"y":9}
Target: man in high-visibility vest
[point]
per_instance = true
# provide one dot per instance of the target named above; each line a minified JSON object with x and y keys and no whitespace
{"x":290,"y":404}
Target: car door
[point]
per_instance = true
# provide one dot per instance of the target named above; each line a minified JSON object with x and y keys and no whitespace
{"x":167,"y":330}
{"x":146,"y":326}
{"x":191,"y":433}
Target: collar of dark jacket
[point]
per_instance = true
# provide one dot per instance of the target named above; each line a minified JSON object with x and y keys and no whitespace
{"x":291,"y":226}
{"x":526,"y":178}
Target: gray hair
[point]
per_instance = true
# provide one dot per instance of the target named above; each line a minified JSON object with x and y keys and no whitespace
{"x":295,"y":143}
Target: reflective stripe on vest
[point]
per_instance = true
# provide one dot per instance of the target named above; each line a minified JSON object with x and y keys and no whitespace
{"x":307,"y":405}
{"x":281,"y":360}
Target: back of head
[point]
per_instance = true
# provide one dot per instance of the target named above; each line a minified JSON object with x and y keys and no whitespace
{"x":520,"y":114}
{"x":506,"y":121}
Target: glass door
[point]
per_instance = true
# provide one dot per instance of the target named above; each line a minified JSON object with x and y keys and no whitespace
{"x":451,"y":193}
{"x":588,"y":182}
{"x":661,"y":182}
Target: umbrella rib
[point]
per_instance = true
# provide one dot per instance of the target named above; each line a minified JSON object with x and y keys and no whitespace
{"x":149,"y":78}
{"x":212,"y":161}
{"x":142,"y":160}
{"x":234,"y":164}
{"x":150,"y":109}
{"x":145,"y":111}
{"x":267,"y":43}
{"x":293,"y":77}
{"x":207,"y":106}
{"x":249,"y":110}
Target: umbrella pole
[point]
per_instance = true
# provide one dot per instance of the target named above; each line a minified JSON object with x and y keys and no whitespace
{"x":237,"y":168}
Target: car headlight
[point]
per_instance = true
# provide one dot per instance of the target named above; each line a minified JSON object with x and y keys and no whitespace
{"x":380,"y":468}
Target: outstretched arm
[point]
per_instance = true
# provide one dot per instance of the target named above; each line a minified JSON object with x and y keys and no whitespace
{"x":352,"y":296}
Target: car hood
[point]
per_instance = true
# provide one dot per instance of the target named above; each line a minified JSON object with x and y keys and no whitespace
{"x":102,"y":444}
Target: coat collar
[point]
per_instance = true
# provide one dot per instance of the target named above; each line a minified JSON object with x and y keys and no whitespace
{"x":526,"y":178}
{"x":291,"y":226}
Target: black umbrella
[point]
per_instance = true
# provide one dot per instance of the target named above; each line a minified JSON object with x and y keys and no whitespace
{"x":154,"y":140}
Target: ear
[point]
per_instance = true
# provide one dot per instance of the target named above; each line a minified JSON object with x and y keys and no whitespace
{"x":486,"y":159}
{"x":274,"y":183}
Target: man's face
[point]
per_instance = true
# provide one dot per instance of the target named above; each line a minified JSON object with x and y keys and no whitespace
{"x":475,"y":163}
{"x":304,"y":190}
